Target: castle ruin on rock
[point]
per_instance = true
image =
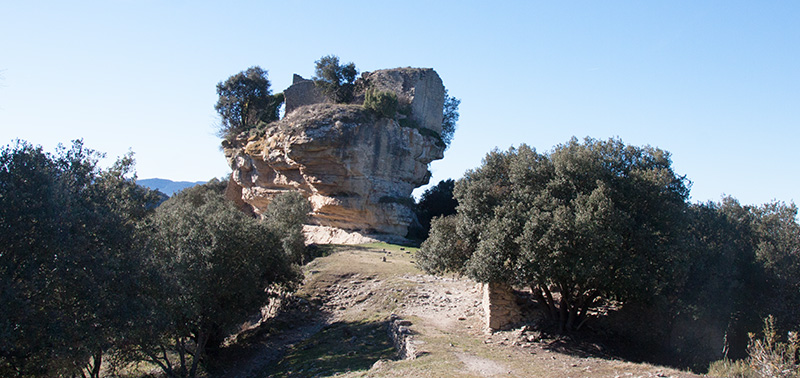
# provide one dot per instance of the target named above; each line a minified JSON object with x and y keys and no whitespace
{"x":357,"y":168}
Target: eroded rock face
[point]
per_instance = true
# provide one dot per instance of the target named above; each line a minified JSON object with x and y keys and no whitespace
{"x":357,"y":169}
{"x":421,"y":88}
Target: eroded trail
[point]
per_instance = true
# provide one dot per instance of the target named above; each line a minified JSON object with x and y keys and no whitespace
{"x":339,"y":328}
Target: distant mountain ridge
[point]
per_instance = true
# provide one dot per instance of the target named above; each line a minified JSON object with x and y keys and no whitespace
{"x":166,"y":186}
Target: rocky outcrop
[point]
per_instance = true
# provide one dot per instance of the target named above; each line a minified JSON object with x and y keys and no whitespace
{"x":421,"y":89}
{"x":357,"y":169}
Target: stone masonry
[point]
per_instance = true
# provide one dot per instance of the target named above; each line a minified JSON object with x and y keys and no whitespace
{"x":499,"y":306}
{"x":302,"y":92}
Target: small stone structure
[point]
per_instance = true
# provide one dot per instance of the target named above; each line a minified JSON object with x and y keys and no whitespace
{"x":403,"y":339}
{"x":499,"y":306}
{"x":302,"y":92}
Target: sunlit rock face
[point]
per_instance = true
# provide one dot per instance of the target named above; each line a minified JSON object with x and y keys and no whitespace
{"x":357,"y":169}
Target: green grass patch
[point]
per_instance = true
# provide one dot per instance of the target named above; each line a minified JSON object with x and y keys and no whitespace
{"x":341,"y":347}
{"x":389,"y":247}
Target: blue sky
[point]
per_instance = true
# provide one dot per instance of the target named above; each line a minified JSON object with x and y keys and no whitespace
{"x":716,"y":83}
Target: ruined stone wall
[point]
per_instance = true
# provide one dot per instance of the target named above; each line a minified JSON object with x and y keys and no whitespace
{"x":402,"y":338}
{"x":499,"y":306}
{"x":302,"y":92}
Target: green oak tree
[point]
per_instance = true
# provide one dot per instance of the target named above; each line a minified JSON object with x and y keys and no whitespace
{"x":436,"y":201}
{"x":336,"y":80}
{"x":69,"y":271}
{"x":245,"y":99}
{"x":450,"y":117}
{"x":588,"y":222}
{"x":216,"y":264}
{"x":286,"y":215}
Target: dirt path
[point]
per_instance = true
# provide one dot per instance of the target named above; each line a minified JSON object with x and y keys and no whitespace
{"x":447,"y":304}
{"x":340,"y":330}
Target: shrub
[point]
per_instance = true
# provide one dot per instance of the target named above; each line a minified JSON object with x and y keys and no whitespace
{"x":730,"y":369}
{"x":381,"y":102}
{"x":770,"y":357}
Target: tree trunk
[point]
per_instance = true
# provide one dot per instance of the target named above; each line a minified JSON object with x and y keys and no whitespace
{"x":549,"y":301}
{"x":200,"y":345}
{"x":570,"y":311}
{"x":164,"y":367}
{"x":180,"y":345}
{"x":97,"y":360}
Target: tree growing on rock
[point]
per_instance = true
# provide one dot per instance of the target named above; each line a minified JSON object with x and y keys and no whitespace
{"x":450,"y":117}
{"x":336,"y":80}
{"x":588,"y":222}
{"x":245,"y":99}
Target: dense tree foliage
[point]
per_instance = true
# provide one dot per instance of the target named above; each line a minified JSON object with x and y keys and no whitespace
{"x":336,"y":80}
{"x":92,"y":267}
{"x":566,"y":222}
{"x":245,"y":99}
{"x":215,"y":265}
{"x":778,"y":251}
{"x":450,"y":117}
{"x":286,"y":215}
{"x":445,"y":249}
{"x":744,"y":268}
{"x":436,"y":201}
{"x":69,"y":275}
{"x":599,"y":220}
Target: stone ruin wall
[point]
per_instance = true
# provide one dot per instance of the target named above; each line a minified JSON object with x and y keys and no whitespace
{"x":499,"y":306}
{"x":302,"y":92}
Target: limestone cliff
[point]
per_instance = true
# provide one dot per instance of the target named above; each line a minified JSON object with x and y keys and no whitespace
{"x":357,"y":169}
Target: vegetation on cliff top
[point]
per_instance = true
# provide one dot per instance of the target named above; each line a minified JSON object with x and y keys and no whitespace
{"x":245,"y":100}
{"x":336,"y":80}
